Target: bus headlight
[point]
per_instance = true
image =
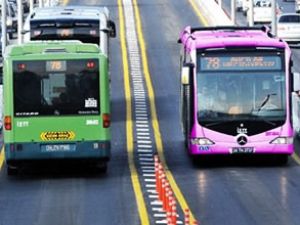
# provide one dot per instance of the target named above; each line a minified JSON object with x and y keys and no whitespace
{"x":201,"y":141}
{"x":282,"y":140}
{"x":9,"y":22}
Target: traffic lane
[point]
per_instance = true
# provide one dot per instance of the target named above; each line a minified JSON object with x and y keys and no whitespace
{"x":66,"y":197}
{"x":77,"y":197}
{"x":253,"y":194}
{"x":287,"y":6}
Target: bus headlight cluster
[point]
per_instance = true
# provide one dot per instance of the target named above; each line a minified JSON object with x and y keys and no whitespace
{"x":201,"y":141}
{"x":282,"y":140}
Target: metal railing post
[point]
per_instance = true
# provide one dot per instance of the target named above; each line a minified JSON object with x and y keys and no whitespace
{"x":20,"y":21}
{"x":233,"y":11}
{"x":3,"y":25}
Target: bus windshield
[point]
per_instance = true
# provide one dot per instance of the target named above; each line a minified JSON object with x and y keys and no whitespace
{"x":58,"y":87}
{"x":86,"y":31}
{"x":244,"y":87}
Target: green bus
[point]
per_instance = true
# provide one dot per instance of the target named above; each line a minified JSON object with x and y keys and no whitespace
{"x":56,"y":103}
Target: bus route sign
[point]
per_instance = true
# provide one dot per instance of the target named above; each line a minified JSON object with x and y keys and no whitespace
{"x":239,"y":63}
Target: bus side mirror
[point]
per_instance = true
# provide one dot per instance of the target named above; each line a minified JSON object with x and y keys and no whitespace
{"x":185,"y":73}
{"x":112,"y":28}
{"x":296,"y":81}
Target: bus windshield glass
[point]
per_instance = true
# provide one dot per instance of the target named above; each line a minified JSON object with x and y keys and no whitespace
{"x":248,"y":86}
{"x":56,"y":87}
{"x":86,"y":31}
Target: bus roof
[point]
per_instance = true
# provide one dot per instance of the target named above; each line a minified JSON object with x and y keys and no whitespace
{"x":40,"y":47}
{"x":69,"y":12}
{"x":224,"y":37}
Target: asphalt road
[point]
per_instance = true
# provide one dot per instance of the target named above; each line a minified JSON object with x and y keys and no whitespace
{"x":224,"y":191}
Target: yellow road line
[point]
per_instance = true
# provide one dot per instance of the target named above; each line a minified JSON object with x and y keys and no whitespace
{"x":296,"y":158}
{"x":129,"y":130}
{"x":198,"y":13}
{"x":155,"y":123}
{"x":65,"y":2}
{"x":1,"y":157}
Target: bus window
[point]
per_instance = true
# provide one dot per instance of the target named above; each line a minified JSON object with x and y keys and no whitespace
{"x":56,"y":88}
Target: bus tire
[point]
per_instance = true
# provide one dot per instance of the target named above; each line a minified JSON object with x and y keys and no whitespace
{"x":12,"y":171}
{"x":282,"y":159}
{"x":101,"y":167}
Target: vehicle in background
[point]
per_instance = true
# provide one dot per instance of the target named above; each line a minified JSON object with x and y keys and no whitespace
{"x":25,"y":4}
{"x":12,"y":20}
{"x":84,"y":23}
{"x":235,"y":88}
{"x":297,"y":6}
{"x":262,"y":12}
{"x":288,"y":27}
{"x":239,"y":5}
{"x":63,"y":110}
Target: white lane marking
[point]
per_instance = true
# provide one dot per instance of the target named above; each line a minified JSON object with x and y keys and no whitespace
{"x":144,"y":150}
{"x":156,"y":202}
{"x":145,"y":146}
{"x":147,"y":180}
{"x":144,"y":142}
{"x":147,"y":171}
{"x":148,"y":175}
{"x":153,"y":191}
{"x":146,"y":159}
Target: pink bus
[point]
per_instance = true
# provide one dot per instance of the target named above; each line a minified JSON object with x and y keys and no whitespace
{"x":235,"y":92}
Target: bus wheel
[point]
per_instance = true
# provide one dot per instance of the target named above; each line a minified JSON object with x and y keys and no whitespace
{"x":101,"y":167}
{"x":12,"y":171}
{"x":282,"y":159}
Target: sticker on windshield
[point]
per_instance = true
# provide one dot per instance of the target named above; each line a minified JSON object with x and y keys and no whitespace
{"x":90,"y":103}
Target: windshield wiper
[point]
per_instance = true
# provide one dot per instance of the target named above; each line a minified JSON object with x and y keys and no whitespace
{"x":267,"y":98}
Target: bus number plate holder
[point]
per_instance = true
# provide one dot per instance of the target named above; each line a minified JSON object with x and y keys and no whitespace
{"x":241,"y":150}
{"x":58,"y":148}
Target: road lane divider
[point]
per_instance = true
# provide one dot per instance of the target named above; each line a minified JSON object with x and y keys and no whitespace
{"x":65,"y":2}
{"x":129,"y":124}
{"x":154,"y":119}
{"x":296,"y":158}
{"x":1,"y":157}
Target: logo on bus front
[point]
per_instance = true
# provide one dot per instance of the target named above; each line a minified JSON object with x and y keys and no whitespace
{"x":57,"y":135}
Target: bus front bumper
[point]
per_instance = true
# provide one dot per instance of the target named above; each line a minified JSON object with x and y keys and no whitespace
{"x":225,"y":149}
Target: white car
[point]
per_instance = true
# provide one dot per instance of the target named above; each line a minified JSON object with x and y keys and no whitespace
{"x":288,"y":27}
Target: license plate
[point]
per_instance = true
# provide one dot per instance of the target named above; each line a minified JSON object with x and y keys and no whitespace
{"x":242,"y":150}
{"x":58,"y":148}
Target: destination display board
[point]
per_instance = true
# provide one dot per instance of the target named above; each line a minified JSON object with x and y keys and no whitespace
{"x":239,"y":63}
